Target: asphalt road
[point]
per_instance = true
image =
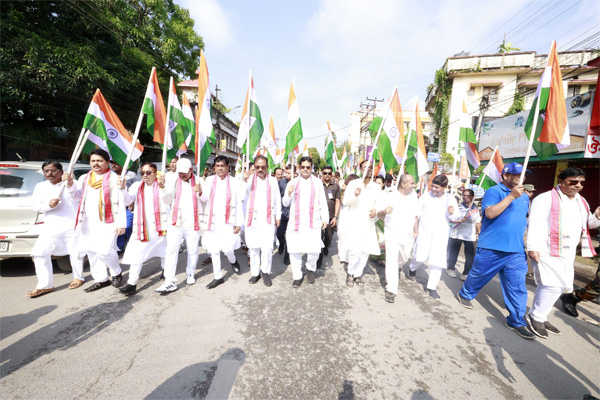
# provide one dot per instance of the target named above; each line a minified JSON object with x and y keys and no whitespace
{"x":321,"y":341}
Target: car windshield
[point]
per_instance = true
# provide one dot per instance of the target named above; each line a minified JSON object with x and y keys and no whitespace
{"x":18,"y":182}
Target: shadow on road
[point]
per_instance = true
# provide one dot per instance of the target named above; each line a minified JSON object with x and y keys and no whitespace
{"x":12,"y":324}
{"x":206,"y":380}
{"x":63,"y":334}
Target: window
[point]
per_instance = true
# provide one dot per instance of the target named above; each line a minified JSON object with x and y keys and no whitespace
{"x":492,"y":92}
{"x":573,"y":90}
{"x":471,"y":92}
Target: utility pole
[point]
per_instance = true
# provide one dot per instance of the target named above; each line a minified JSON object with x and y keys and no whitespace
{"x":217,"y":90}
{"x":483,"y":107}
{"x":367,"y":112}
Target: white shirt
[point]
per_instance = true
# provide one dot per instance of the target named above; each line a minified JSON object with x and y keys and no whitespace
{"x":399,"y":225}
{"x":65,"y":212}
{"x":466,"y":230}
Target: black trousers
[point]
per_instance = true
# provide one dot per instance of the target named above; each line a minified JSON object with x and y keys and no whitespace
{"x":454,"y":249}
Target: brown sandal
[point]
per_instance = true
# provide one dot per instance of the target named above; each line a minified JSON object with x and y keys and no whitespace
{"x":359,"y":282}
{"x":38,"y":292}
{"x":349,"y":281}
{"x":76,"y":283}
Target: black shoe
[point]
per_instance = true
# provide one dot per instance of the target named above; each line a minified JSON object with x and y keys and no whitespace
{"x":521,"y":331}
{"x":280,"y":249}
{"x":116,"y":280}
{"x":389,"y":296}
{"x":128,"y":289}
{"x":412,"y":275}
{"x":286,"y":259}
{"x":310,"y":277}
{"x":569,"y":304}
{"x":433,"y":294}
{"x":266,"y":279}
{"x":236,"y":267}
{"x":464,"y":302}
{"x":215,"y":283}
{"x":325,"y":251}
{"x":551,"y":328}
{"x":97,"y":286}
{"x":537,"y":327}
{"x":254,"y":279}
{"x":297,"y":283}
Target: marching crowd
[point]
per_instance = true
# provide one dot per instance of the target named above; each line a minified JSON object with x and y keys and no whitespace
{"x":301,"y":213}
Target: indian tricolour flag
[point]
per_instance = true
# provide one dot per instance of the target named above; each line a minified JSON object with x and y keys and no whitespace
{"x":492,"y":173}
{"x":190,"y":127}
{"x":177,"y":128}
{"x":107,"y":132}
{"x":205,"y":134}
{"x":466,"y":133}
{"x":416,"y":159}
{"x":472,"y":156}
{"x":391,"y":138}
{"x":330,"y":155}
{"x":552,"y":130}
{"x":251,"y":126}
{"x":294,"y":128}
{"x":269,"y":143}
{"x":342,"y":163}
{"x":154,"y":108}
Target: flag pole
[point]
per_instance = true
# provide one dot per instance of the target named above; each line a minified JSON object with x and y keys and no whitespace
{"x":530,"y":144}
{"x":377,"y":136}
{"x":247,"y":164}
{"x":133,"y":143}
{"x":75,"y":156}
{"x":491,"y":160}
{"x":400,"y":172}
{"x":164,"y":155}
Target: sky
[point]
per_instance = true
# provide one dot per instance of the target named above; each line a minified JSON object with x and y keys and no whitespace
{"x":339,"y":52}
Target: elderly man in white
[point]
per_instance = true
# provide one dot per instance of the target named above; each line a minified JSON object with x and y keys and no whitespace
{"x":360,"y":198}
{"x":263,"y":215}
{"x":223,"y":218}
{"x":558,"y":220}
{"x":309,"y":215}
{"x":400,"y":211}
{"x":101,"y":218}
{"x":436,"y":210}
{"x":183,"y":223}
{"x":57,"y":237}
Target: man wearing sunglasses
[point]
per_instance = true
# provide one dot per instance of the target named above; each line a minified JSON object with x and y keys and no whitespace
{"x":558,"y":220}
{"x":308,"y":216}
{"x":333,"y":193}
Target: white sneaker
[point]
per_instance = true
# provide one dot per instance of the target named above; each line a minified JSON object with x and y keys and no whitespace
{"x":190,"y":279}
{"x":451,"y":273}
{"x":463,"y":277}
{"x":166,"y":287}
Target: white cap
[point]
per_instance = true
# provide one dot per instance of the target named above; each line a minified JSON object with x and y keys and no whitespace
{"x":183,"y":165}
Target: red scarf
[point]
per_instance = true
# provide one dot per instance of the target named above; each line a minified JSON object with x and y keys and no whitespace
{"x":141,"y":212}
{"x":297,"y":203}
{"x":178,"y":198}
{"x":227,"y":200}
{"x":90,"y":179}
{"x":253,"y":195}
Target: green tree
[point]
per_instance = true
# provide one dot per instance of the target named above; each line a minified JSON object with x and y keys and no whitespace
{"x":55,"y":54}
{"x":517,"y":106}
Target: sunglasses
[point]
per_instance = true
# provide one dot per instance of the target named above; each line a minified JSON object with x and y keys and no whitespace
{"x":305,"y":167}
{"x":326,"y":173}
{"x":147,"y":173}
{"x":574,"y":183}
{"x":260,"y":167}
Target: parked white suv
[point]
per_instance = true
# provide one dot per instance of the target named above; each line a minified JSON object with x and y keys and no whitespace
{"x":19,"y":224}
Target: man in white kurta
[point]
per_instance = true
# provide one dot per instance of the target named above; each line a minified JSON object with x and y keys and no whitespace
{"x":101,"y":219}
{"x":563,"y":214}
{"x":222,"y":218}
{"x":183,"y":224}
{"x":436,"y":209}
{"x":263,"y":215}
{"x":57,"y":237}
{"x":360,"y":198}
{"x":150,"y":222}
{"x":308,"y":216}
{"x":400,"y":211}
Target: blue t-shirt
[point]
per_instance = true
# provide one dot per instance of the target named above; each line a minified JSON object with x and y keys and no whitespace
{"x":506,"y":231}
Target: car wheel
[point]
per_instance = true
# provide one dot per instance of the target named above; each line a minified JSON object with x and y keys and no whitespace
{"x":64,"y":264}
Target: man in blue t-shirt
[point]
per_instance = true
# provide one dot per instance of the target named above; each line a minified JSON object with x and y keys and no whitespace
{"x":501,"y":249}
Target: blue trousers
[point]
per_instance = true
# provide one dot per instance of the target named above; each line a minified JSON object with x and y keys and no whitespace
{"x":512,"y":268}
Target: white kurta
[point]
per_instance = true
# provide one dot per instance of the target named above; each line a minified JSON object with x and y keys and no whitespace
{"x":400,"y":224}
{"x":185,"y":215}
{"x":361,"y":235}
{"x":97,"y":236}
{"x":221,"y":237}
{"x":260,"y":233}
{"x":556,"y":271}
{"x":305,"y":239}
{"x":137,"y":251}
{"x":434,"y":229}
{"x":57,"y":235}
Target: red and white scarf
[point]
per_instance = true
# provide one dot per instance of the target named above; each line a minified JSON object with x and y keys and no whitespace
{"x":104,"y":205}
{"x":556,"y":226}
{"x":213,"y":189}
{"x":142,"y":224}
{"x":311,"y":209}
{"x":178,"y":198}
{"x":252,"y":197}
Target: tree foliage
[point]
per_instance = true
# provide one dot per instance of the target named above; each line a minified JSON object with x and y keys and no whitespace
{"x":517,"y":106}
{"x":443,"y":90}
{"x":55,"y":54}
